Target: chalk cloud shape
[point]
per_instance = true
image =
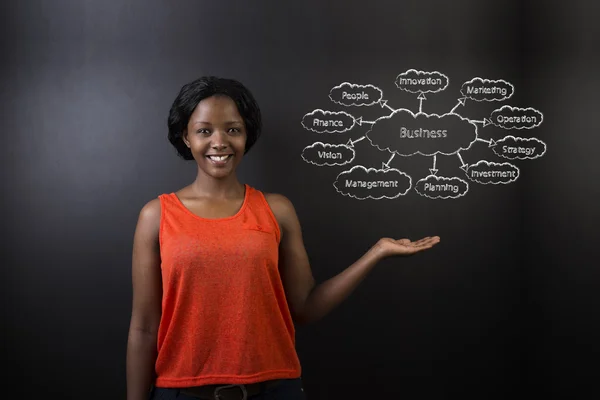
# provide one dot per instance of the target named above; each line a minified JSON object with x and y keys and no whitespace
{"x":461,"y":186}
{"x":347,"y":121}
{"x":512,"y":147}
{"x":509,"y":117}
{"x":471,"y":88}
{"x":421,"y":77}
{"x":487,"y":166}
{"x":385,"y":133}
{"x":350,"y":94}
{"x":344,"y":183}
{"x":315,"y":154}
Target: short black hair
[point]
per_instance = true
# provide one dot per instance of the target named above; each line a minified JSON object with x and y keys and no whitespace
{"x":192,"y":93}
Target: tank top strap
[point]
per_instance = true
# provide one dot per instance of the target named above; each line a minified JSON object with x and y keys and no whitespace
{"x":258,"y":205}
{"x":168,"y":201}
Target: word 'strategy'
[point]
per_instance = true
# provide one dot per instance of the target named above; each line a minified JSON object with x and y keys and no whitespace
{"x":407,"y":133}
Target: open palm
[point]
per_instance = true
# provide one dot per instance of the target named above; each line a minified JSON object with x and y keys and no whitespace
{"x":406,"y":247}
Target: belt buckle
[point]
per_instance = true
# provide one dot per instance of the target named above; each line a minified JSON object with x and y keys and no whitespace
{"x":242,"y":388}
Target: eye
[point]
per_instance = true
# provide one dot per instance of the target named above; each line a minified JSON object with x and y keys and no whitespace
{"x":234,"y":130}
{"x":203,"y":131}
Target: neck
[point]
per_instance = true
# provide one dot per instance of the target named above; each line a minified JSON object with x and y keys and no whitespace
{"x":207,"y":186}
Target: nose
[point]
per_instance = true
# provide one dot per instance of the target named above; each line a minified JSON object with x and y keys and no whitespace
{"x":219,"y":141}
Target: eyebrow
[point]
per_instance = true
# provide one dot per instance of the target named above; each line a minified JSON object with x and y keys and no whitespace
{"x":226,"y":123}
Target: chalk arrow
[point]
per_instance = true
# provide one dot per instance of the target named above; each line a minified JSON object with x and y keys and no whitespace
{"x":383,"y":103}
{"x":351,"y":143}
{"x":433,"y":170}
{"x":464,"y":166}
{"x":421,"y":98}
{"x":386,"y":165}
{"x":461,"y":102}
{"x":491,"y":142}
{"x":360,"y":121}
{"x":485,"y":122}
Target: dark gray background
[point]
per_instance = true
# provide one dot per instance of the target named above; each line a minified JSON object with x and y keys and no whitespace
{"x":506,"y":303}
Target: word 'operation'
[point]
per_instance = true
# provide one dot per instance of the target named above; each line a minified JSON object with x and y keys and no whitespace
{"x":517,"y":119}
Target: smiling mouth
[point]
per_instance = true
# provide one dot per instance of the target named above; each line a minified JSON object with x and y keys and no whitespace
{"x":219,"y":158}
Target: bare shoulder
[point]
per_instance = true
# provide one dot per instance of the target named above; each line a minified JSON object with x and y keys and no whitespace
{"x":150,"y":212}
{"x":148,"y":223}
{"x":282,"y":207}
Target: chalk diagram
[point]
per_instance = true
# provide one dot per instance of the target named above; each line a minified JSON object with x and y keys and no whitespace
{"x":406,"y":133}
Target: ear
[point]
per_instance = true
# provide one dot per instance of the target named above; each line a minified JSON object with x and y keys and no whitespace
{"x":184,"y":136}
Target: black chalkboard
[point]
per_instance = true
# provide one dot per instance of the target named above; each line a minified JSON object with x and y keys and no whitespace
{"x":469,"y":120}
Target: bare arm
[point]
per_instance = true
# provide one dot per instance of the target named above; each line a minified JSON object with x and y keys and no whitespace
{"x":309,"y":302}
{"x":146,"y":305}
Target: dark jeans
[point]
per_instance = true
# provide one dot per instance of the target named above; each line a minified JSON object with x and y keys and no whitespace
{"x":288,"y":389}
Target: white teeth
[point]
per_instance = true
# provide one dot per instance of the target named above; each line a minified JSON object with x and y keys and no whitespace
{"x":218,"y":158}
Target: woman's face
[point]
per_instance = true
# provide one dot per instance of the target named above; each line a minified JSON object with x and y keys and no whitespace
{"x":216,"y":135}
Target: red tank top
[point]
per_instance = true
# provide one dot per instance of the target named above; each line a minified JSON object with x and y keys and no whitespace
{"x":225,"y":318}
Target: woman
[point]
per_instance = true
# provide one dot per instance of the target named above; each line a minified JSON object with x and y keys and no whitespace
{"x":220,"y":273}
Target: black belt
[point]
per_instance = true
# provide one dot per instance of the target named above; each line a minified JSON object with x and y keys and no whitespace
{"x":229,"y":392}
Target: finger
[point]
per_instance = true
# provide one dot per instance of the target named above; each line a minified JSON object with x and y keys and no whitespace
{"x":424,"y":241}
{"x":431,"y":242}
{"x":430,"y":239}
{"x":428,"y":243}
{"x":418,"y":242}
